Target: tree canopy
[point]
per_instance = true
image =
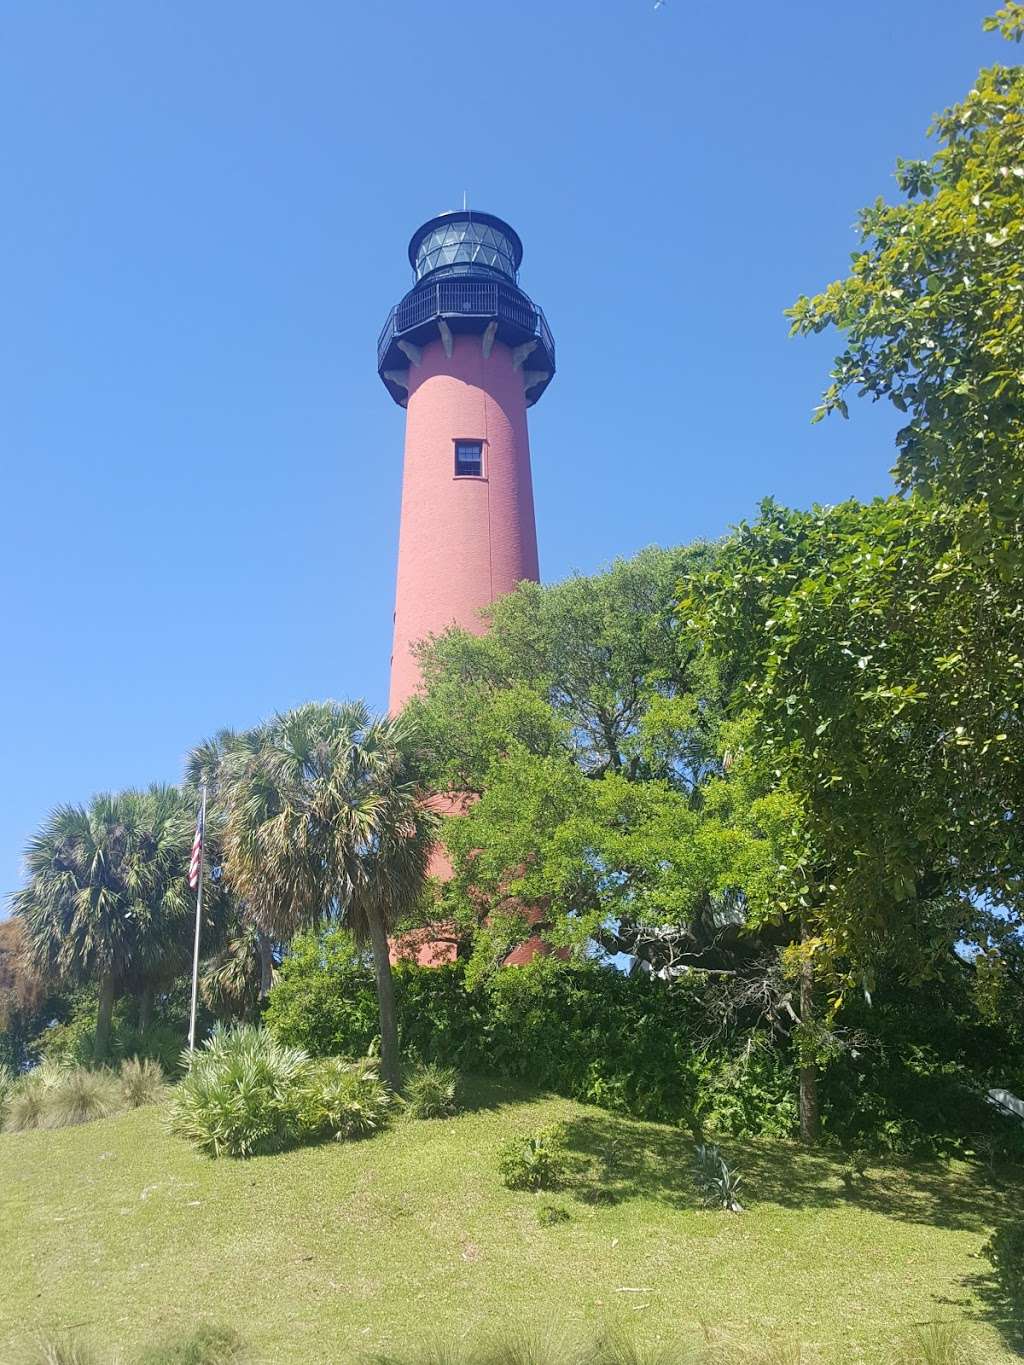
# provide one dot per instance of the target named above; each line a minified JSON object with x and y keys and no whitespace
{"x":590,"y":728}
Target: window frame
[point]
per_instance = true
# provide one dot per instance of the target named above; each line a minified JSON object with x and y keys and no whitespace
{"x":481,"y":472}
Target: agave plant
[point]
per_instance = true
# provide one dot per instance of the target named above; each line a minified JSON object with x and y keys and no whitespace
{"x":717,"y":1183}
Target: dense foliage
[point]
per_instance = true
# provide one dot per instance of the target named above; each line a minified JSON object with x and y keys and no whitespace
{"x":589,"y":728}
{"x":886,"y":668}
{"x":882,"y":646}
{"x":932,"y":311}
{"x":911,"y":1079}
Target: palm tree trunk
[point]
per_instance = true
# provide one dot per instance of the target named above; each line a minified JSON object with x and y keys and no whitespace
{"x":385,"y":1000}
{"x":104,"y":1016}
{"x":266,"y":964}
{"x":145,"y":1008}
{"x":809,"y":1108}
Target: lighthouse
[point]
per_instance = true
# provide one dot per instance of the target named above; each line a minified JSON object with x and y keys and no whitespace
{"x":465,"y":352}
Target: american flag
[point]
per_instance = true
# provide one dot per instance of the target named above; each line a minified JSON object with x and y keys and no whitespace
{"x":197,"y":852}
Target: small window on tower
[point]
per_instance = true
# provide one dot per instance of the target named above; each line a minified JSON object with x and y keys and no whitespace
{"x":469,"y":459}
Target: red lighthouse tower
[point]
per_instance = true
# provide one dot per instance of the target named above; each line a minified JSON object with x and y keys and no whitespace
{"x":465,"y":352}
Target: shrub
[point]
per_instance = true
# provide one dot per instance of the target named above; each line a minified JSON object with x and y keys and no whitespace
{"x":579,"y":1029}
{"x":633,"y":1045}
{"x":80,"y":1096}
{"x":142,"y":1082}
{"x":342,"y":1099}
{"x":534,"y":1162}
{"x":855,"y":1171}
{"x":160,"y":1043}
{"x":324,"y":999}
{"x":1005,"y":1249}
{"x":432,"y":1092}
{"x":240,"y":1095}
{"x":717,"y":1183}
{"x":550,"y":1214}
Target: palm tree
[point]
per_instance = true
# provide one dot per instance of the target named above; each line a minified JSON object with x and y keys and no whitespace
{"x":107,"y":896}
{"x":236,"y":980}
{"x":325,"y":819}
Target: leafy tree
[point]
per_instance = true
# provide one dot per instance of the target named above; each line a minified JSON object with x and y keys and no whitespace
{"x":107,"y":898}
{"x":612,"y":797}
{"x":881,"y":646}
{"x":885,"y":664}
{"x":325,"y":819}
{"x":932,"y":312}
{"x":591,"y":667}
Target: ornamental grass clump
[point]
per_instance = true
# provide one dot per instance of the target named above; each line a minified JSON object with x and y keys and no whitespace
{"x":241,"y":1094}
{"x":29,"y":1096}
{"x":142,"y":1082}
{"x":432,"y":1092}
{"x":342,"y":1099}
{"x":61,"y":1351}
{"x":206,"y":1345}
{"x":81,"y":1096}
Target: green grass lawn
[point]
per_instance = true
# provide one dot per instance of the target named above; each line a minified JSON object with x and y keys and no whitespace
{"x":123,"y":1235}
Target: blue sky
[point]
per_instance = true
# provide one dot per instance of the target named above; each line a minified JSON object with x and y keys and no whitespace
{"x":204,"y":211}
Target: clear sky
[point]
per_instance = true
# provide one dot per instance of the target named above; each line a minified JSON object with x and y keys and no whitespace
{"x":204,"y":212}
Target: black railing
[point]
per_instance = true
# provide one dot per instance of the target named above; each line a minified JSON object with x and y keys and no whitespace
{"x":465,"y":298}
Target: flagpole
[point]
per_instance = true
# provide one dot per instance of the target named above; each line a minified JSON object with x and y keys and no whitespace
{"x":199,"y":919}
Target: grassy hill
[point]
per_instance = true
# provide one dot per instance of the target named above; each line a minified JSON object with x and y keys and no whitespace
{"x":122,"y":1235}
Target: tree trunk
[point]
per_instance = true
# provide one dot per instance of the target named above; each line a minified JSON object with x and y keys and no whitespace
{"x":266,"y":965}
{"x":808,"y":1068}
{"x":385,"y":1001}
{"x":104,"y":1016}
{"x":145,"y":1008}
